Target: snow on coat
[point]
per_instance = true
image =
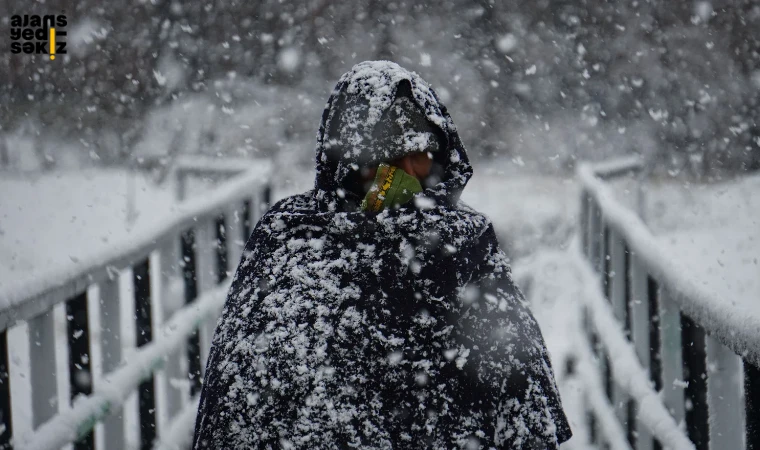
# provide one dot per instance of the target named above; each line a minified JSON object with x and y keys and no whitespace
{"x":398,"y":329}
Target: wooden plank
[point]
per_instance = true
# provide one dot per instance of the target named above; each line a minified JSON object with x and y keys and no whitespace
{"x":247,"y":219}
{"x":266,"y":200}
{"x":111,"y":354}
{"x":605,"y":270}
{"x":190,"y":277}
{"x":595,"y":236}
{"x":80,"y":369}
{"x":234,"y":222}
{"x":640,"y":322}
{"x":42,"y":359}
{"x":174,"y":388}
{"x":671,"y":356}
{"x":206,"y":245}
{"x":724,"y":396}
{"x":752,"y":410}
{"x":144,"y":335}
{"x":584,"y":222}
{"x":695,"y":376}
{"x":617,"y":275}
{"x":617,"y":259}
{"x":222,"y":254}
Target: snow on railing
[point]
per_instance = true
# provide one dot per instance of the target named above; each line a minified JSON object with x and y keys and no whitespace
{"x":138,"y":323}
{"x":666,"y":346}
{"x":76,"y":422}
{"x":597,"y":403}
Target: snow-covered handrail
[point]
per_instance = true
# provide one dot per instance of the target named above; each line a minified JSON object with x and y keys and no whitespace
{"x":629,"y":374}
{"x":737,"y":328}
{"x":697,"y":347}
{"x":610,"y":428}
{"x":111,"y":308}
{"x":77,"y":421}
{"x":179,"y":434}
{"x":26,"y":302}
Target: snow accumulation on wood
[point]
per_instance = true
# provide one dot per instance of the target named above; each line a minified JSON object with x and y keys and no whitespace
{"x":556,"y":286}
{"x":733,"y":321}
{"x":125,"y":247}
{"x":179,"y":434}
{"x":628,"y":372}
{"x":594,"y":394}
{"x":108,"y":396}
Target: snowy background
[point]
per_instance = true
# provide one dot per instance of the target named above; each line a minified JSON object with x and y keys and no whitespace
{"x":86,"y":141}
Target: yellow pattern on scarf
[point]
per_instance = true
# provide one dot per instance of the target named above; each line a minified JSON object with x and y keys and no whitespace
{"x":384,"y":189}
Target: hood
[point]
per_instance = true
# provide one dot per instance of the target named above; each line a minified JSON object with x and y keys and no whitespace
{"x":346,"y":139}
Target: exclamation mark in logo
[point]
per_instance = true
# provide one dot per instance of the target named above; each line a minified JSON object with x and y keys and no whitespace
{"x":52,"y":43}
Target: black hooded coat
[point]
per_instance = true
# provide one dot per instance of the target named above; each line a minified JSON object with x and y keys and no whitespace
{"x":397,"y":329}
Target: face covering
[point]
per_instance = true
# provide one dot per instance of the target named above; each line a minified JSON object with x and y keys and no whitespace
{"x":392,"y":186}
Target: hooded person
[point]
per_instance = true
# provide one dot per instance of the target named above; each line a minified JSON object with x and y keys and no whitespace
{"x":382,"y":316}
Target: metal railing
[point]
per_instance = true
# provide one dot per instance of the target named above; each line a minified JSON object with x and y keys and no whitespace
{"x":679,"y":364}
{"x":138,"y":322}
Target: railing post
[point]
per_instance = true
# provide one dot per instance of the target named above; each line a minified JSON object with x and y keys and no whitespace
{"x":627,"y":305}
{"x":173,"y":392}
{"x":181,"y":177}
{"x":655,"y":333}
{"x":604,"y":261}
{"x":695,"y":374}
{"x":80,"y":356}
{"x":254,"y":208}
{"x":190,"y":276}
{"x":6,"y":427}
{"x":144,"y":335}
{"x":671,"y":356}
{"x":259,"y":204}
{"x":724,"y":380}
{"x":595,"y":236}
{"x":640,"y":322}
{"x":605,"y":269}
{"x":247,"y":219}
{"x":266,"y":200}
{"x":584,"y":222}
{"x":42,"y":359}
{"x":207,"y":252}
{"x":752,"y":412}
{"x":655,"y":340}
{"x":222,"y":253}
{"x":111,"y":352}
{"x":593,"y":339}
{"x":234,"y":234}
{"x":617,"y":274}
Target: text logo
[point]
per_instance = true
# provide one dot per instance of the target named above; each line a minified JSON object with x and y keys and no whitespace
{"x":40,"y":35}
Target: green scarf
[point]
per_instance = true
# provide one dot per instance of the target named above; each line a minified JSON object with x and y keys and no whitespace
{"x":392,"y":186}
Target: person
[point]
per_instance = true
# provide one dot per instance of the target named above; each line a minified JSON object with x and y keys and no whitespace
{"x":377,"y":310}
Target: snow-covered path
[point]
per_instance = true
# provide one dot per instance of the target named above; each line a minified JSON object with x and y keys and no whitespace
{"x":554,"y":283}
